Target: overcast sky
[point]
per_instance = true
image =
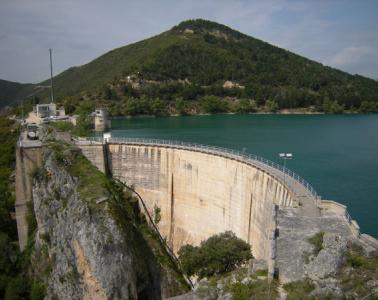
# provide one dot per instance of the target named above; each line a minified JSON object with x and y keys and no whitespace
{"x":339,"y":33}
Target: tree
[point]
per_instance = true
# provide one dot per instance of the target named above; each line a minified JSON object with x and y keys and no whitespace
{"x":157,"y":107}
{"x":212,"y":104}
{"x":180,"y":106}
{"x":369,"y":107}
{"x":246,"y":106}
{"x":218,"y":254}
{"x":272,"y":105}
{"x":332,"y":107}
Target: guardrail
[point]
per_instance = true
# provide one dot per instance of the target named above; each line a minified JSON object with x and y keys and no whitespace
{"x":243,"y":156}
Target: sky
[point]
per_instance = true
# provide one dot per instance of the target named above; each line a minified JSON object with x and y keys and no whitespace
{"x":339,"y":33}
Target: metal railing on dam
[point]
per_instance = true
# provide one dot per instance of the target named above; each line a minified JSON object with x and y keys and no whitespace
{"x":252,"y":159}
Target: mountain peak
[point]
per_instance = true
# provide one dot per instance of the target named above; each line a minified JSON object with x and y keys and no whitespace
{"x":207,"y":27}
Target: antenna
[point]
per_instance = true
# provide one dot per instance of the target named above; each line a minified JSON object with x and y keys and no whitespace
{"x":51,"y":74}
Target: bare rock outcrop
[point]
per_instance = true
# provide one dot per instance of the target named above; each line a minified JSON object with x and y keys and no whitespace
{"x":90,"y":254}
{"x":328,"y":261}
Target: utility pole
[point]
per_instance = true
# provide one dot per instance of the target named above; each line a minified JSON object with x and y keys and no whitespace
{"x":51,"y":77}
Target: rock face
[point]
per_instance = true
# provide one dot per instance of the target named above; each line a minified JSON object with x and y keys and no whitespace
{"x":90,"y":255}
{"x":294,"y":251}
{"x":329,"y":259}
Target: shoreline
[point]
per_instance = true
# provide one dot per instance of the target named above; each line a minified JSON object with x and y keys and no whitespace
{"x":283,"y":112}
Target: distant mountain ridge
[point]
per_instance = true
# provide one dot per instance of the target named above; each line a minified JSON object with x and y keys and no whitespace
{"x":206,"y":54}
{"x":11,"y":92}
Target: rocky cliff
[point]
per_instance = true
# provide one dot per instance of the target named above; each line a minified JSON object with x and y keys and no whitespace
{"x":90,"y":241}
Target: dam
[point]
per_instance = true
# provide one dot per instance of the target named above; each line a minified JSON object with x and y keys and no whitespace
{"x":201,"y":190}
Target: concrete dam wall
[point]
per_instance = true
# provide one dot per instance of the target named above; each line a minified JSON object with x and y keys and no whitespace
{"x":199,"y":193}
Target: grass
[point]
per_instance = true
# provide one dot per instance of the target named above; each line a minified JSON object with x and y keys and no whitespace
{"x":261,"y":273}
{"x":62,"y":126}
{"x":298,"y":290}
{"x":254,"y":289}
{"x":91,"y":182}
{"x":260,"y":289}
{"x":317,"y":241}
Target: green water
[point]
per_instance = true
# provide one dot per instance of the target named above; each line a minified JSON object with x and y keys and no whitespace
{"x":338,"y":155}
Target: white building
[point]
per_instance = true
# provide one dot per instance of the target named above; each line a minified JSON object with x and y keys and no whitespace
{"x":46,"y":112}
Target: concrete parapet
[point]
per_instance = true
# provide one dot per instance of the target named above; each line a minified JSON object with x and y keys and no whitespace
{"x":333,"y":207}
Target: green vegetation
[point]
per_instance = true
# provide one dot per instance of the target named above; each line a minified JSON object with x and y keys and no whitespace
{"x":10,"y":260}
{"x":213,"y":104}
{"x":11,"y":92}
{"x":299,"y":290}
{"x":317,"y":242}
{"x":246,"y":106}
{"x":193,"y":60}
{"x":241,"y":284}
{"x":333,"y":107}
{"x":62,"y":126}
{"x":84,"y":122}
{"x":15,"y":279}
{"x":218,"y":254}
{"x":259,"y":289}
{"x":357,"y":277}
{"x":369,"y":107}
{"x":157,"y":214}
{"x":359,"y":271}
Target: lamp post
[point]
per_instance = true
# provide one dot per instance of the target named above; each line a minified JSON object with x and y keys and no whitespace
{"x":285,"y":157}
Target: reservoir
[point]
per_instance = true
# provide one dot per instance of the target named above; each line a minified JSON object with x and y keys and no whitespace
{"x":336,"y":154}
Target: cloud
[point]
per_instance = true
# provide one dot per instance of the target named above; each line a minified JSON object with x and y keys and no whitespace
{"x":354,"y":55}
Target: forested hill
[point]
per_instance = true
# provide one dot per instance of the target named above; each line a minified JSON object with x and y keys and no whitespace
{"x":13,"y":91}
{"x":196,"y":57}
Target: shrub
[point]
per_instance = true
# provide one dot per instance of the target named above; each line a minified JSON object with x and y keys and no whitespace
{"x":298,"y":289}
{"x":157,"y":214}
{"x":246,"y":106}
{"x":212,"y":104}
{"x":38,"y":291}
{"x":317,"y":241}
{"x":332,"y":107}
{"x":62,"y":125}
{"x":369,"y":107}
{"x":272,"y":105}
{"x":17,"y":288}
{"x":219,"y":254}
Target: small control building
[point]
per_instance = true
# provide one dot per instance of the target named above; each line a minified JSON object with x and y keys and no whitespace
{"x":43,"y":113}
